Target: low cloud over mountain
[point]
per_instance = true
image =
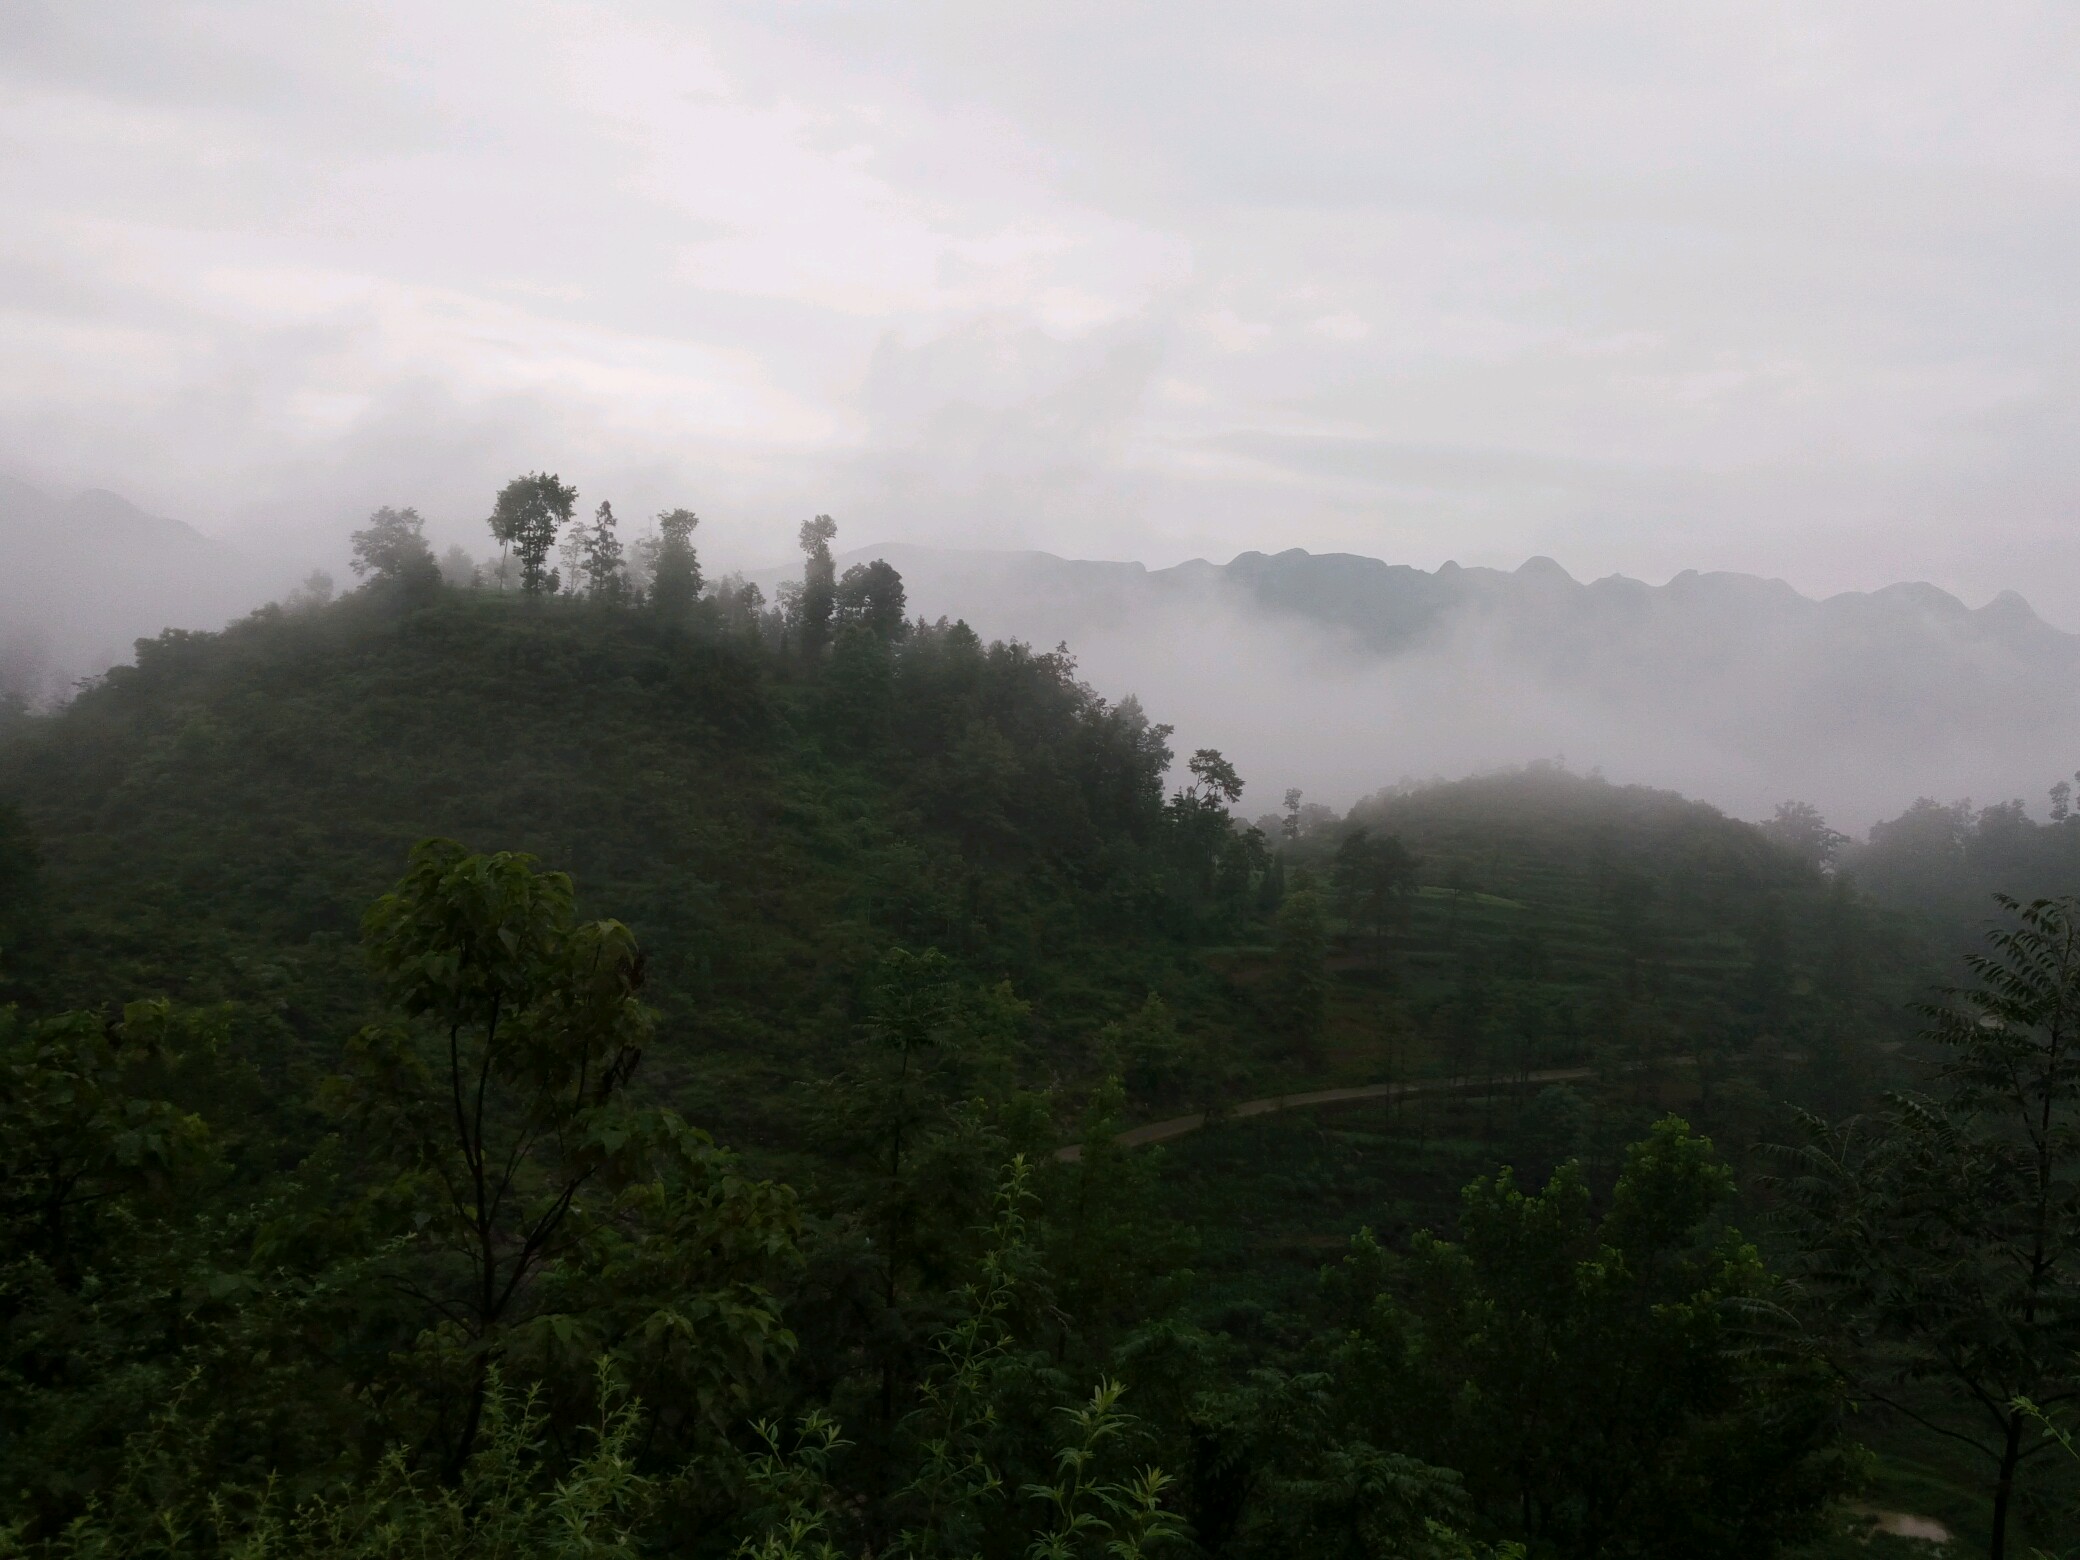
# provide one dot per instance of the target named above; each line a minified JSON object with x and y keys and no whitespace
{"x":80,"y":578}
{"x":1341,"y":674}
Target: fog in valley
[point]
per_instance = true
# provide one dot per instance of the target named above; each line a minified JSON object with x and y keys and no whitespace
{"x":1341,"y":676}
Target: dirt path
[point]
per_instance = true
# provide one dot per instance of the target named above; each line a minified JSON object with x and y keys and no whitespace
{"x":1178,"y":1126}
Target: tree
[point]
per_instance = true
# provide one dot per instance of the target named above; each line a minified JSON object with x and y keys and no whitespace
{"x":1215,"y":784}
{"x":1371,"y":874}
{"x":529,"y":513}
{"x":1942,"y":1237}
{"x":819,"y":597}
{"x":675,"y":575}
{"x":84,"y":1132}
{"x":316,"y":591}
{"x":605,"y":580}
{"x":101,"y":1175}
{"x":503,"y":1092}
{"x":1590,"y":1377}
{"x":459,"y":570}
{"x":1152,"y":1059}
{"x":871,"y":596}
{"x":21,"y":894}
{"x":911,"y":1013}
{"x":391,"y":550}
{"x":1299,"y":976}
{"x":1799,"y":828}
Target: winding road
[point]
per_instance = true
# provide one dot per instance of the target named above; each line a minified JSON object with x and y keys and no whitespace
{"x":1178,"y":1126}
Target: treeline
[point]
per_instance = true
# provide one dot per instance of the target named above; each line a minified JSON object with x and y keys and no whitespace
{"x":546,"y":551}
{"x":1942,"y":860}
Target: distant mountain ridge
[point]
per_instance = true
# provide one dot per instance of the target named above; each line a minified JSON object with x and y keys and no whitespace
{"x":1390,"y":607}
{"x":1332,"y":671}
{"x":1727,"y":686}
{"x":84,"y":576}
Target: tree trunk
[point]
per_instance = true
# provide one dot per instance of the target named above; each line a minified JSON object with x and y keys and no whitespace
{"x":2003,"y":1492}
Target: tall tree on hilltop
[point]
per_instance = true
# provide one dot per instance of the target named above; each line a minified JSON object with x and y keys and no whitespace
{"x":871,"y":595}
{"x":529,"y":513}
{"x":1799,"y":828}
{"x":1215,"y":784}
{"x":1943,"y":1236}
{"x":391,"y":550}
{"x":605,"y":580}
{"x":675,"y":577}
{"x":819,"y":598}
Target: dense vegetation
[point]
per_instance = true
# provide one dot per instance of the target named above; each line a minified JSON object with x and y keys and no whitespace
{"x":345,"y":1213}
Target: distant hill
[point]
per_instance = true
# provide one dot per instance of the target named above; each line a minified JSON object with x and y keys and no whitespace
{"x":85,"y":576}
{"x":1341,"y":673}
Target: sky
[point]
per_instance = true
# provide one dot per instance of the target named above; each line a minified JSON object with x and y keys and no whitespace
{"x":1785,"y":289}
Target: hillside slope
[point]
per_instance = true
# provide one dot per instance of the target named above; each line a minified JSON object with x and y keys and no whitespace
{"x":214,"y":819}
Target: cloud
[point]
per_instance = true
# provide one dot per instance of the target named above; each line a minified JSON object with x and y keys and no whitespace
{"x":1716,"y":287}
{"x":1732,"y":690}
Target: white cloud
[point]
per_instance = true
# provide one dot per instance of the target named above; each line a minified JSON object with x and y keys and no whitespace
{"x":1778,"y":288}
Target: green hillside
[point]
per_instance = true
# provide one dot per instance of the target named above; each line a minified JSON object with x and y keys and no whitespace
{"x":903,"y":912}
{"x":213,"y":819}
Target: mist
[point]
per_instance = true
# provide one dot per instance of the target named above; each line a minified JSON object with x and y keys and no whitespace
{"x":1734,"y":690}
{"x":1765,"y":295}
{"x":1644,"y":291}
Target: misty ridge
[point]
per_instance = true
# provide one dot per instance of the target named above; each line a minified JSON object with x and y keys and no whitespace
{"x":1342,"y":674}
{"x":1339,"y":674}
{"x":84,"y":577}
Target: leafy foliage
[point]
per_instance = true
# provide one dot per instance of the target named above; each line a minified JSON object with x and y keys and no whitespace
{"x":1944,"y":1234}
{"x":297,"y":1258}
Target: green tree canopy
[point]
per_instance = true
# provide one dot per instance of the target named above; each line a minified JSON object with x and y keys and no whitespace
{"x":391,"y":550}
{"x":675,"y":577}
{"x":529,"y":513}
{"x":1589,"y":1376}
{"x":871,"y":596}
{"x":606,"y":581}
{"x":1943,"y":1233}
{"x":819,"y":595}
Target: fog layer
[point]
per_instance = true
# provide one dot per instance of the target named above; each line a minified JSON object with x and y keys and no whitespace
{"x":1342,"y":674}
{"x":84,"y":576}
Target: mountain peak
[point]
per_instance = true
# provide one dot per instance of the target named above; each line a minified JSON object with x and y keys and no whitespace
{"x":2009,"y":607}
{"x":1541,"y":567}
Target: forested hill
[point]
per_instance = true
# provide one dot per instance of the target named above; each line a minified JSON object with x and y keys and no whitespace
{"x":377,"y":1228}
{"x":213,"y":819}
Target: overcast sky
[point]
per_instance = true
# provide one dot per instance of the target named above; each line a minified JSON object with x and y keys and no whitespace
{"x":1781,"y":288}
